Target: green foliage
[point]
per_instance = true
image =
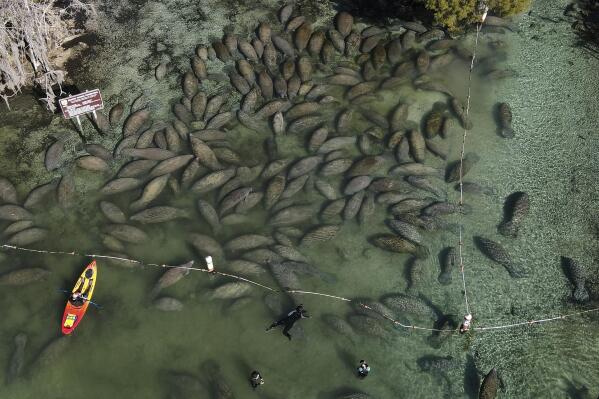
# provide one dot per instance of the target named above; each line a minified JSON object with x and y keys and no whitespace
{"x":509,"y":7}
{"x":456,"y":14}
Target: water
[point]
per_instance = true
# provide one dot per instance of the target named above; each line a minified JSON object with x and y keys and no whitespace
{"x":131,"y":349}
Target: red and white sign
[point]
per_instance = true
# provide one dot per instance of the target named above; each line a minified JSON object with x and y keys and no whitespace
{"x":89,"y":101}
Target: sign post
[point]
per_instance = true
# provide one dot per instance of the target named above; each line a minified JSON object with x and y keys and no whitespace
{"x":79,"y":104}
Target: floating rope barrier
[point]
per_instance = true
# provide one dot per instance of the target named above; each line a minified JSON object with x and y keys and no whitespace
{"x":294,"y":291}
{"x":468,"y":97}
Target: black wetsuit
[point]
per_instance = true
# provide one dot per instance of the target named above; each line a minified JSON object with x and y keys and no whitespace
{"x":289,"y":321}
{"x":255,"y":379}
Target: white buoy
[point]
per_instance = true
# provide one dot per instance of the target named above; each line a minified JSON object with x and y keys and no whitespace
{"x":209,"y":263}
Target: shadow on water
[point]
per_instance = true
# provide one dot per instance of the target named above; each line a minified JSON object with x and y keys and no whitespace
{"x":380,"y":11}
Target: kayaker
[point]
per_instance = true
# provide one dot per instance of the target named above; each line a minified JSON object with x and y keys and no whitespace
{"x":363,"y":369}
{"x":78,"y":298}
{"x":256,"y":379}
{"x":298,"y":313}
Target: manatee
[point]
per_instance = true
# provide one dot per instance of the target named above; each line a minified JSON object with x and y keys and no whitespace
{"x":326,"y":189}
{"x":150,"y":192}
{"x":52,"y":352}
{"x":8,"y":193}
{"x":293,"y":187}
{"x":170,"y":277}
{"x":269,"y":58}
{"x":369,"y":165}
{"x":344,"y":80}
{"x":302,"y":109}
{"x":288,"y":251}
{"x":248,"y":241}
{"x":357,"y":184}
{"x":233,"y":198}
{"x":516,"y":209}
{"x":409,"y":204}
{"x":338,"y":325}
{"x":394,"y":243}
{"x":156,"y":154}
{"x":189,"y":84}
{"x":170,"y":165}
{"x":236,"y":289}
{"x":488,"y":388}
{"x":53,"y":158}
{"x":17,"y":359}
{"x":453,"y":171}
{"x":213,"y":105}
{"x":360,"y":89}
{"x":159,"y":214}
{"x":292,"y":215}
{"x":135,"y":122}
{"x":422,"y":61}
{"x":116,"y":113}
{"x":577,"y":276}
{"x":416,"y":306}
{"x":274,"y":189}
{"x":112,"y":212}
{"x":167,"y":304}
{"x":283,"y":45}
{"x":304,"y":123}
{"x":337,"y":143}
{"x":333,"y":209}
{"x":137,"y":168}
{"x":316,"y":42}
{"x":17,"y":226}
{"x":244,"y":267}
{"x":417,"y":144}
{"x":367,"y":325}
{"x":262,"y":256}
{"x":14,"y":213}
{"x":354,"y":395}
{"x":449,"y":259}
{"x":219,"y":120}
{"x":386,"y":184}
{"x":127,"y":233}
{"x":460,"y":111}
{"x":317,"y":138}
{"x":271,"y":108}
{"x":27,"y":236}
{"x":504,"y":112}
{"x":438,"y":363}
{"x":212,"y":180}
{"x":206,"y":245}
{"x":441,"y":208}
{"x":406,"y":230}
{"x":320,"y":233}
{"x":475,"y":188}
{"x":39,"y":193}
{"x":423,"y":183}
{"x":495,"y":251}
{"x":303,"y":166}
{"x":120,"y":185}
{"x":352,"y":207}
{"x":24,"y":276}
{"x":391,"y":197}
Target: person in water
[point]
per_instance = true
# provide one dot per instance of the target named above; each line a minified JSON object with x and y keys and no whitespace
{"x":363,"y":369}
{"x":288,"y":321}
{"x":465,"y":326}
{"x":256,"y":379}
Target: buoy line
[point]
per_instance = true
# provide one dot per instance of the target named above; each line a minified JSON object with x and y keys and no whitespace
{"x":294,"y":291}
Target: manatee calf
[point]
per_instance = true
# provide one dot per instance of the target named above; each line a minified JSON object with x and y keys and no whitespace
{"x":120,"y":185}
{"x":495,"y":251}
{"x":515,"y":210}
{"x":577,"y":276}
{"x":394,"y":243}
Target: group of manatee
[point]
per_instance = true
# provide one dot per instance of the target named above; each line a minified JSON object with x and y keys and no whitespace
{"x":320,"y":91}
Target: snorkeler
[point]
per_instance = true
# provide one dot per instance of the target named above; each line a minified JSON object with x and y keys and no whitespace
{"x":465,"y":326}
{"x":256,"y":379}
{"x":363,"y":369}
{"x":288,"y":321}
